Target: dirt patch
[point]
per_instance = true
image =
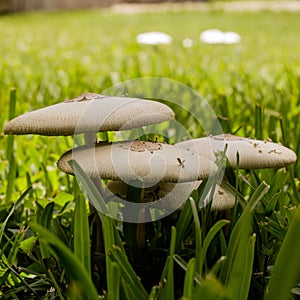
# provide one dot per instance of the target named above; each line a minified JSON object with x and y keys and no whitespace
{"x":132,"y":8}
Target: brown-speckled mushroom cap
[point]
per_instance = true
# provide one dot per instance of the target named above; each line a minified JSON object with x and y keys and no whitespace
{"x":254,"y":154}
{"x":147,"y":162}
{"x":90,"y":113}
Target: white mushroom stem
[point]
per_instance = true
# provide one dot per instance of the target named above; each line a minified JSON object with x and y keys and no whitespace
{"x":91,"y":139}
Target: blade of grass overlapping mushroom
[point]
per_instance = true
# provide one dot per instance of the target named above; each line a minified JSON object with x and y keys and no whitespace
{"x":140,"y":162}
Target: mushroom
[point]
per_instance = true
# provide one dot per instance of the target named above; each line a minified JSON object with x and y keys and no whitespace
{"x":231,"y":37}
{"x":154,"y":38}
{"x":142,"y":164}
{"x":223,"y":198}
{"x":253,"y":154}
{"x":90,"y":113}
{"x":212,"y":36}
{"x":143,"y":161}
{"x":216,"y":36}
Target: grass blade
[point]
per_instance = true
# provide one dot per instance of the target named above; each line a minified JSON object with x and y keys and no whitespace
{"x":185,"y":220}
{"x":258,"y":194}
{"x":211,"y":289}
{"x":131,"y":283}
{"x":183,"y":224}
{"x":73,"y":266}
{"x":286,"y":268}
{"x":45,"y":220}
{"x":239,"y":248}
{"x":89,"y":187}
{"x":198,"y":238}
{"x":114,"y":292}
{"x":11,"y":178}
{"x":189,"y":280}
{"x":4,"y":223}
{"x":154,"y":294}
{"x":109,"y":242}
{"x":258,"y":122}
{"x":168,"y":273}
{"x":82,"y":233}
{"x":208,"y":239}
{"x":11,"y":115}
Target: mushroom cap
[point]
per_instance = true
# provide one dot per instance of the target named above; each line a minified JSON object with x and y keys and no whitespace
{"x":90,"y":113}
{"x":216,"y":36}
{"x":212,"y":36}
{"x":223,"y":198}
{"x":254,"y":154}
{"x":154,"y":38}
{"x":230,"y":37}
{"x":146,"y":162}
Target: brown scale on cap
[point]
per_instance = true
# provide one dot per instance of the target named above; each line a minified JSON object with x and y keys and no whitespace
{"x":85,"y":96}
{"x":140,"y":146}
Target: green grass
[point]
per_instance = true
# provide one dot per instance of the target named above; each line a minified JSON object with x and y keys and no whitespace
{"x":49,"y":239}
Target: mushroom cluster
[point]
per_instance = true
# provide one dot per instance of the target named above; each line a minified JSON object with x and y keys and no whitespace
{"x":164,"y":171}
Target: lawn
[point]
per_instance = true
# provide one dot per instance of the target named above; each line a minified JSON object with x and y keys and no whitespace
{"x":253,"y":88}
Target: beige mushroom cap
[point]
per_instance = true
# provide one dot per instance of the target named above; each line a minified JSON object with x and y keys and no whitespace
{"x":223,"y":198}
{"x":254,"y":154}
{"x":90,"y":113}
{"x":147,"y":162}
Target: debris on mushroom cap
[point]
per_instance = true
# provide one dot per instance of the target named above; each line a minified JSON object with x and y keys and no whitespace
{"x":148,"y":162}
{"x":223,"y":198}
{"x":90,"y":113}
{"x":252,"y":153}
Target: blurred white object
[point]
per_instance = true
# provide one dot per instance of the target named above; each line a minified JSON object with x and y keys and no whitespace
{"x":231,"y":37}
{"x":188,"y":43}
{"x":154,"y":38}
{"x":212,"y":36}
{"x":216,"y":36}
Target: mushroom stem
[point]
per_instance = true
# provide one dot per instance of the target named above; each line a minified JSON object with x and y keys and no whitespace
{"x":90,"y":139}
{"x":134,"y":233}
{"x":140,"y":230}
